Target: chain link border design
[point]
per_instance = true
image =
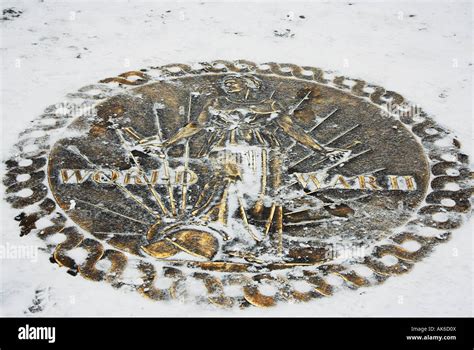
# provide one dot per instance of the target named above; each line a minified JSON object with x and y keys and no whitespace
{"x":40,"y":203}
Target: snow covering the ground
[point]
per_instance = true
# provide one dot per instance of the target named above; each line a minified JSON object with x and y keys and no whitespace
{"x":422,"y":50}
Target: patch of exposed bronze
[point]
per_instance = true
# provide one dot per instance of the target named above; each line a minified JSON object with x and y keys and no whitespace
{"x":237,"y":174}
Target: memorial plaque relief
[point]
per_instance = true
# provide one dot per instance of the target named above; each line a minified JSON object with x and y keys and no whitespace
{"x":238,"y":176}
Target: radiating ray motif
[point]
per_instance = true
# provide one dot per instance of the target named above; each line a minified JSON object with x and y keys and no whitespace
{"x":184,"y":185}
{"x":247,"y":168}
{"x":156,"y":196}
{"x":128,"y":193}
{"x":112,"y":212}
{"x":159,"y":135}
{"x":230,"y":183}
{"x":315,"y":126}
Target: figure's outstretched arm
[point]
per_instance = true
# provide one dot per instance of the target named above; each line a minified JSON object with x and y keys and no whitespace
{"x":190,"y":129}
{"x":297,"y":133}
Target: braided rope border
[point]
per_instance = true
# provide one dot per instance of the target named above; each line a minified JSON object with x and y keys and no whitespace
{"x":447,"y":163}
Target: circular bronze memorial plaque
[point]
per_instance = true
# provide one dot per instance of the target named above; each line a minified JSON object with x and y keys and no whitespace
{"x":238,"y":176}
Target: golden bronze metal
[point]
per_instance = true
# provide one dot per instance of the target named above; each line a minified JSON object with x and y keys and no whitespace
{"x":244,"y":174}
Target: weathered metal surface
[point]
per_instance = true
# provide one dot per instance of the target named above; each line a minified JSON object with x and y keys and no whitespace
{"x":237,"y":174}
